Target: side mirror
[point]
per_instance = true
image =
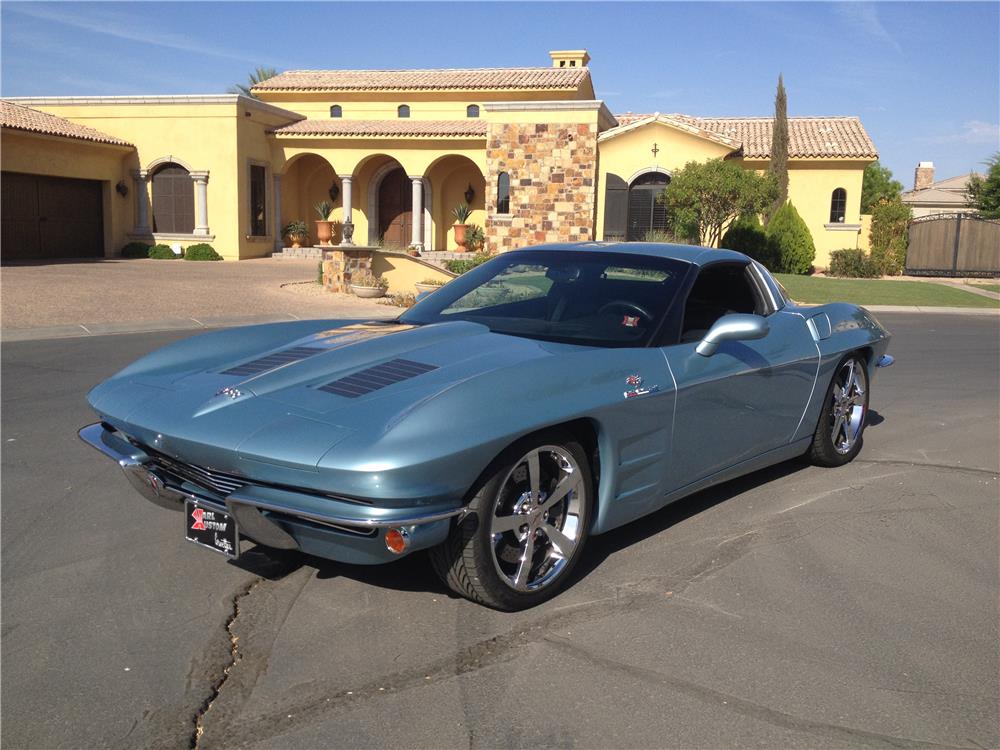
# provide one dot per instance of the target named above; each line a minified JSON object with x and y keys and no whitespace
{"x":735,"y":327}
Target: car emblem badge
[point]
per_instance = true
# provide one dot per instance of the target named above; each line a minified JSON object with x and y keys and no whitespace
{"x":630,"y":321}
{"x":634,"y":382}
{"x":199,"y":520}
{"x":230,"y":391}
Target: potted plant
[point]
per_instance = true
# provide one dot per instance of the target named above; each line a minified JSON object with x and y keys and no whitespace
{"x":475,"y":238}
{"x":461,"y":212}
{"x":296,"y":232}
{"x":428,"y":285}
{"x":324,"y":227}
{"x":368,"y":285}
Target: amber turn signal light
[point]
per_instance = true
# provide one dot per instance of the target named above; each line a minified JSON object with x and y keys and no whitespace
{"x":397,"y":540}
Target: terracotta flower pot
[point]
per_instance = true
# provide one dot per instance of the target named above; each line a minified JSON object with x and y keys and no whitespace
{"x":460,"y":237}
{"x":324,"y":232}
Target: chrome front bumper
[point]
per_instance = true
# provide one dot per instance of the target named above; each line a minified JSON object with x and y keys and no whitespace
{"x":278,"y":517}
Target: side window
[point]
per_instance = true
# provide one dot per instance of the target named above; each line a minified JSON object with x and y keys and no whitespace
{"x":403,"y":110}
{"x":720,"y":289}
{"x":472,"y":110}
{"x":336,"y":111}
{"x":838,"y":205}
{"x":503,"y":193}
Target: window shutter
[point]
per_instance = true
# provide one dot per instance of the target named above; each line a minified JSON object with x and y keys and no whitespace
{"x":615,"y":207}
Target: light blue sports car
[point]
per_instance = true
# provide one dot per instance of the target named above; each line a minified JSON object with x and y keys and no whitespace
{"x":549,"y":394}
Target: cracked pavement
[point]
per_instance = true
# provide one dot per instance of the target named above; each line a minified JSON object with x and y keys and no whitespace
{"x":795,"y":607}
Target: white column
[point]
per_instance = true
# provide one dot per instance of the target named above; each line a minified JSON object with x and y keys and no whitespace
{"x":141,"y":177}
{"x":346,"y":181}
{"x":417,"y":212}
{"x":200,"y":202}
{"x":276,"y":229}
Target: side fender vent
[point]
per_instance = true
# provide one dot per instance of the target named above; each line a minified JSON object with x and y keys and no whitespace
{"x":273,"y":361}
{"x":377,"y":377}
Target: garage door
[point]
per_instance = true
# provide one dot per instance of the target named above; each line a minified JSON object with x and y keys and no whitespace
{"x":50,"y":217}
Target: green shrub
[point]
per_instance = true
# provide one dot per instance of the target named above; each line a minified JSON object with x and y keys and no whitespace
{"x":747,"y":235}
{"x":136,"y":250}
{"x":794,"y":243}
{"x":475,"y":238}
{"x":853,"y":263}
{"x":461,"y":266}
{"x":889,"y":236}
{"x":162,"y":252}
{"x":201,"y":251}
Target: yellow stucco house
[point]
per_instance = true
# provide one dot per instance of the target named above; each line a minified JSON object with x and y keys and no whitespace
{"x":532,"y":151}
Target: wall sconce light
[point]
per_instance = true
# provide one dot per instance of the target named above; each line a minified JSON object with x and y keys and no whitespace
{"x":470,"y":194}
{"x":333,"y":192}
{"x":121,"y":188}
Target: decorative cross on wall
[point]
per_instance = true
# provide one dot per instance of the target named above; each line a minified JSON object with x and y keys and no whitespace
{"x":655,"y":150}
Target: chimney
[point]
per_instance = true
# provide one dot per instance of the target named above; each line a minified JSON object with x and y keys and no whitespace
{"x":924,"y":176}
{"x":569,"y":58}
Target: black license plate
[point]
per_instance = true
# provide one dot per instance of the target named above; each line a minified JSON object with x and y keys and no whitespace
{"x":211,"y":528}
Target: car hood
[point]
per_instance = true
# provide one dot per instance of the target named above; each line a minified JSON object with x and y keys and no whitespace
{"x":288,"y":404}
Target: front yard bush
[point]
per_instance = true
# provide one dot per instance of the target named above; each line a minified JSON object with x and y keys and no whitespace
{"x":747,"y":235}
{"x":852,"y":262}
{"x":890,"y":235}
{"x":201,"y":251}
{"x":162,"y":252}
{"x":794,"y":243}
{"x":461,"y":266}
{"x":136,"y":250}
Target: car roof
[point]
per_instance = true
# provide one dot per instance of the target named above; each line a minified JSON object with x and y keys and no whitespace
{"x":694,"y":254}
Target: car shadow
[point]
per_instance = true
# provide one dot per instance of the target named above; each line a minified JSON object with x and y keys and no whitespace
{"x":414,"y":573}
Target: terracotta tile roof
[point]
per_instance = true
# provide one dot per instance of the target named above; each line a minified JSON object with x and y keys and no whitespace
{"x":808,"y":137}
{"x":18,"y":117}
{"x":409,"y":80}
{"x":404,"y":128}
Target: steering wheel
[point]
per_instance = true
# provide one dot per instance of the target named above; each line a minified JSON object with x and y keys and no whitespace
{"x":623,"y":304}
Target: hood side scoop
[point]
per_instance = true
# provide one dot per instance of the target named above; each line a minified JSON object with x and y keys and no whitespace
{"x":377,"y":377}
{"x":273,"y":361}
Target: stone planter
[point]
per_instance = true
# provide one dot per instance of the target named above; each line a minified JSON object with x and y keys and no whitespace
{"x":368,"y":292}
{"x":324,"y":232}
{"x":421,"y":288}
{"x":297,"y":239}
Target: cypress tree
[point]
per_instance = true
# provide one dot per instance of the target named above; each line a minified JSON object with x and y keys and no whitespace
{"x":779,"y":147}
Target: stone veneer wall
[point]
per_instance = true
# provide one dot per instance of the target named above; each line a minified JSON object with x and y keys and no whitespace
{"x":340,"y":264}
{"x":553,"y":171}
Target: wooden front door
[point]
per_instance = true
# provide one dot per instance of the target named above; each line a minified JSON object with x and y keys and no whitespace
{"x":51,"y":217}
{"x":395,"y":209}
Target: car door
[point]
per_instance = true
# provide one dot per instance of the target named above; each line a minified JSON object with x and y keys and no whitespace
{"x":749,"y":396}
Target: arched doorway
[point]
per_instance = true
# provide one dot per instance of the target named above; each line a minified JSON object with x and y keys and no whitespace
{"x":645,"y":213}
{"x":395,"y":209}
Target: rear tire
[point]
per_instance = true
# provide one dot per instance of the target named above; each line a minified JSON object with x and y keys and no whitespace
{"x":841,"y":426}
{"x":526,"y":527}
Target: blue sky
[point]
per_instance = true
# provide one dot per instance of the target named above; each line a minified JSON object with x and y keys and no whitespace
{"x":923,"y":77}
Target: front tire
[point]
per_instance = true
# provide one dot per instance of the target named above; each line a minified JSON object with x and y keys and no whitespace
{"x":526,"y":526}
{"x":838,"y":435}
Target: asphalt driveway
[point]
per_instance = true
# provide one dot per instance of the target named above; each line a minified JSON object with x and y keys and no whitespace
{"x":797,"y":607}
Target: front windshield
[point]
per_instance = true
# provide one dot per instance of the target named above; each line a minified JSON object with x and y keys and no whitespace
{"x":575,"y":296}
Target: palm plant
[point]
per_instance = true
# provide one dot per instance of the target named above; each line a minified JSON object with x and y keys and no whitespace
{"x":323,"y":208}
{"x":258,"y":75}
{"x":461,"y":212}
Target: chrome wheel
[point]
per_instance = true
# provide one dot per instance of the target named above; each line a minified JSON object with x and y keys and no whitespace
{"x":849,"y":405}
{"x":535,"y":526}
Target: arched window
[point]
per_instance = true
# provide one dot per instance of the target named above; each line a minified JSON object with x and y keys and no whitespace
{"x":645,"y":213}
{"x":503,"y":193}
{"x":472,"y":110}
{"x":336,"y":111}
{"x":173,"y":200}
{"x":403,"y":110}
{"x":838,"y":206}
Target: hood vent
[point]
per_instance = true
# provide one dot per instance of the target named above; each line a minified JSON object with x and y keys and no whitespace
{"x":376,"y":378}
{"x":273,"y":361}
